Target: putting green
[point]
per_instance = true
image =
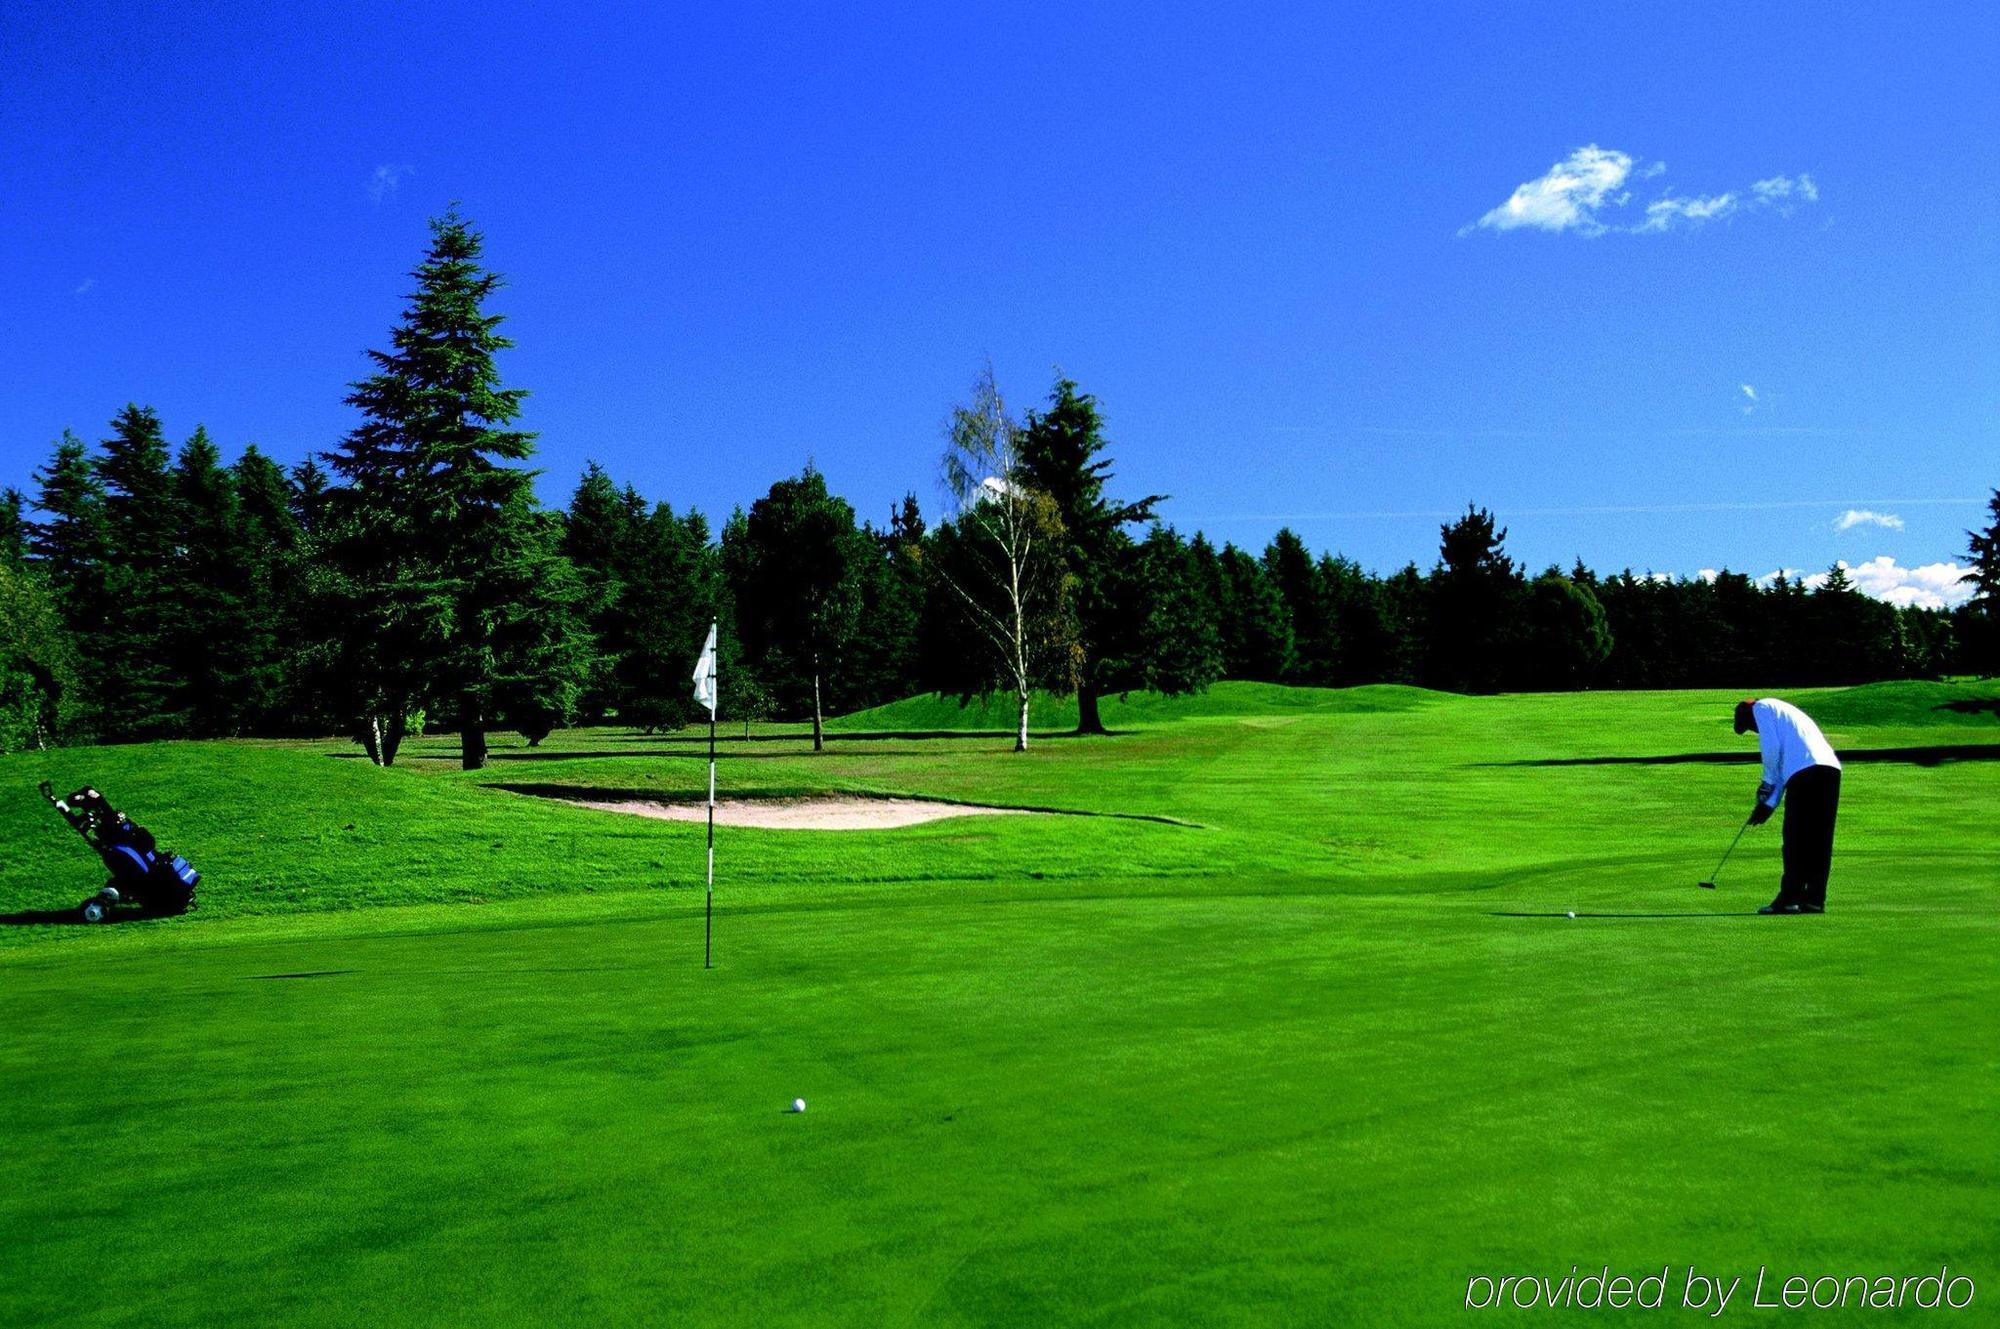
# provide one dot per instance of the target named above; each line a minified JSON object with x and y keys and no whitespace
{"x":437,"y":1052}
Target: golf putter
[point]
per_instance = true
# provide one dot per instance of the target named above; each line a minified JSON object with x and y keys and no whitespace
{"x":1709,"y":885}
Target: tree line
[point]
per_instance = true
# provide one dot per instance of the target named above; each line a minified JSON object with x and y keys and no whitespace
{"x":408,"y":579}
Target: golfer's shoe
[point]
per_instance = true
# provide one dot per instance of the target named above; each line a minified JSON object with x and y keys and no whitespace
{"x":1781,"y":906}
{"x":1809,"y":907}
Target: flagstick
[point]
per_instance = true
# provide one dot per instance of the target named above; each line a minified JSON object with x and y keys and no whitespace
{"x":708,"y":934}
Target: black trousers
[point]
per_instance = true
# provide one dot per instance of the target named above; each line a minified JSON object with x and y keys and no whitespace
{"x":1812,"y":801}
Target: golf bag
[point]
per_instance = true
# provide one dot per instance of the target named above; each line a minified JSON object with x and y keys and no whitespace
{"x":141,"y":873}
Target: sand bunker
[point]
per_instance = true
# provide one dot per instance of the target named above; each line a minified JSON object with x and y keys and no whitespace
{"x":800,"y":814}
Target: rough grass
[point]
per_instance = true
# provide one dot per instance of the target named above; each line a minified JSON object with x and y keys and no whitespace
{"x":1319,"y":1058}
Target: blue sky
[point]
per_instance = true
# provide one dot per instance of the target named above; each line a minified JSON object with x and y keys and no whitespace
{"x":738,"y":240}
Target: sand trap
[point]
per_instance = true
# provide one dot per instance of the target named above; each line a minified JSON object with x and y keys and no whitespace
{"x":801,"y":814}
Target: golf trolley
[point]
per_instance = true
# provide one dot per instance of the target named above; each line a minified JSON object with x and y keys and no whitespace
{"x":141,"y":874}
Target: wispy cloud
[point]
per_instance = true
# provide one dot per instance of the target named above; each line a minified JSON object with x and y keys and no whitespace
{"x":1584,"y":192}
{"x":1784,"y":192}
{"x":1668,"y":211}
{"x":1749,"y":398}
{"x":382,"y":185}
{"x":83,"y":287}
{"x":1854,"y":517}
{"x":1568,"y":197}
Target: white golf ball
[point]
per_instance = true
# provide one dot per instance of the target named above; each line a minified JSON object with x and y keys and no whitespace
{"x":798,"y":1105}
{"x":1572,"y":913}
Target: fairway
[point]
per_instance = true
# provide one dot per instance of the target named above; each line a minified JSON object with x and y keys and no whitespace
{"x":1294,"y":1029}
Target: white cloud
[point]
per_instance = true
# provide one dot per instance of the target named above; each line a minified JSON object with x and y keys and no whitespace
{"x":83,"y":287}
{"x":1663,"y":213}
{"x":1708,"y":575}
{"x":1854,"y":517}
{"x":1749,"y":399}
{"x":1583,"y":191}
{"x":383,"y":185}
{"x":1932,"y":586}
{"x":1784,"y":192}
{"x":1748,"y":391}
{"x":1568,"y":197}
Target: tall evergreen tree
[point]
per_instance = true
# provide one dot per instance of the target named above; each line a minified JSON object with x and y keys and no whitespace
{"x":598,"y":539}
{"x":13,"y":529}
{"x":1315,"y":637}
{"x":671,"y":589}
{"x":435,"y":421}
{"x":797,"y":576}
{"x":884,"y":660}
{"x":309,"y":486}
{"x":1982,"y":615}
{"x":1475,"y":597}
{"x":1183,"y":649}
{"x":543,"y":654}
{"x":220,"y":642}
{"x":70,"y":544}
{"x":138,"y":694}
{"x":1062,"y":455}
{"x":1367,"y":641}
{"x":1256,"y":624}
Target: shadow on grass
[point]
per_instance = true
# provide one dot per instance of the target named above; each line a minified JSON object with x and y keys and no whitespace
{"x":1926,"y":756}
{"x":35,"y":918}
{"x":725,"y":738}
{"x":1973,"y":706}
{"x":1580,"y":915}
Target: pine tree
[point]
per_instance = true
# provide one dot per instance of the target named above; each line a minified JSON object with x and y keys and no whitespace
{"x":138,"y":695}
{"x":1362,"y":629}
{"x":309,"y":497}
{"x":1475,"y":597}
{"x":1256,"y":624}
{"x":543,"y":656}
{"x":1982,"y":615}
{"x":430,"y":458}
{"x":220,"y":640}
{"x":598,"y":536}
{"x":70,"y":546}
{"x":797,"y":574}
{"x":1062,"y":455}
{"x":1315,"y":637}
{"x":1183,"y":650}
{"x":13,"y":530}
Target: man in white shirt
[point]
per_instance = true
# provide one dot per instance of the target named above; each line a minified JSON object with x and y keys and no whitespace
{"x":1801,"y":771}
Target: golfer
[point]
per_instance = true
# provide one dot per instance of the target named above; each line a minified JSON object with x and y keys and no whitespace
{"x":1800,"y":771}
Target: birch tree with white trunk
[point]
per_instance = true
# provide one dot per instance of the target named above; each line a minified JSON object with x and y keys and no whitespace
{"x":1004,"y":566}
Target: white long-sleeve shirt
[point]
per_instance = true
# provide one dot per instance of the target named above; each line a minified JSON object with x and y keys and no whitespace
{"x":1791,"y":743}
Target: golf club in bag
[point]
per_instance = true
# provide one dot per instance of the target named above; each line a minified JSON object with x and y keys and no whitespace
{"x":141,"y":874}
{"x":1709,"y":885}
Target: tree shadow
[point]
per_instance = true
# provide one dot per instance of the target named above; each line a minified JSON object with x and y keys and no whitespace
{"x":1581,"y":915}
{"x":1925,"y":756}
{"x":34,"y":918}
{"x":1973,"y":706}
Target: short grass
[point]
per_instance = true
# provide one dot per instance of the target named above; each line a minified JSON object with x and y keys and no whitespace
{"x":435,"y":1052}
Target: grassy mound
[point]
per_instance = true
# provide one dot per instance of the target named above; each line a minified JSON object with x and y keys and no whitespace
{"x":1047,"y":713}
{"x":1905,"y":703}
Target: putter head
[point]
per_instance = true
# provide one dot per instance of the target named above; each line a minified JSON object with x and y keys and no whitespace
{"x":1706,"y":885}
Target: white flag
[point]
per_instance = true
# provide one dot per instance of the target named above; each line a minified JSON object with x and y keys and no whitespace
{"x":704,"y":673}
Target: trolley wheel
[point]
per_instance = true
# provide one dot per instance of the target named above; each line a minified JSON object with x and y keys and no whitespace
{"x":96,"y":911}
